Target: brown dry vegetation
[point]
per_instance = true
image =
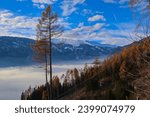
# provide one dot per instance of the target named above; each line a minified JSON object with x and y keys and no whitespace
{"x":125,"y":75}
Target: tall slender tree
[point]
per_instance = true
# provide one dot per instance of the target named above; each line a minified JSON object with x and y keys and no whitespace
{"x":47,"y":29}
{"x":41,"y":50}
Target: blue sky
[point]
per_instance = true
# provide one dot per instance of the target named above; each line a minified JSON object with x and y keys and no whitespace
{"x":109,"y":21}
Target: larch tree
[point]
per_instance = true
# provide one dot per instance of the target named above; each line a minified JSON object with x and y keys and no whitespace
{"x":47,"y":30}
{"x":41,"y":50}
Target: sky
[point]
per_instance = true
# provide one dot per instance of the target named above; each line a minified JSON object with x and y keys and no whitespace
{"x":107,"y":21}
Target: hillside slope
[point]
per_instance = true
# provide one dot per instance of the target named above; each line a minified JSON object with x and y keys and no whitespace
{"x":125,"y":75}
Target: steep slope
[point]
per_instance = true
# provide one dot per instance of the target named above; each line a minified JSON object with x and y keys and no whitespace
{"x":125,"y":75}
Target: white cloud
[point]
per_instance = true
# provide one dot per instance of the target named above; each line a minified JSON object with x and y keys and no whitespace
{"x":41,"y":3}
{"x":121,"y":35}
{"x":116,"y":1}
{"x":123,"y":1}
{"x":96,"y":18}
{"x":40,"y":6}
{"x":11,"y":25}
{"x":124,"y":4}
{"x":22,"y":26}
{"x":82,"y":32}
{"x":86,"y":11}
{"x":63,"y":22}
{"x":69,"y":6}
{"x":81,"y":24}
{"x":88,"y":29}
{"x":44,"y":1}
{"x":109,"y":1}
{"x":124,"y":34}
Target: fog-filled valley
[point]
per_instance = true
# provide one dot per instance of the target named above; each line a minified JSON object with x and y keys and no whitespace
{"x":16,"y":79}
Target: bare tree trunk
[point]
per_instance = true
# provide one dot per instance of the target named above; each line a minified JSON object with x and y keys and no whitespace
{"x":50,"y":58}
{"x":46,"y":71}
{"x":46,"y":67}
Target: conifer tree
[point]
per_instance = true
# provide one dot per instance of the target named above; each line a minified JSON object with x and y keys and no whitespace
{"x":47,"y":29}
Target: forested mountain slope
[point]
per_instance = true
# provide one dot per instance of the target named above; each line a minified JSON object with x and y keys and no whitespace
{"x":125,"y":75}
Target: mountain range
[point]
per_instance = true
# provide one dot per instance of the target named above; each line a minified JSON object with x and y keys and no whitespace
{"x":17,"y":50}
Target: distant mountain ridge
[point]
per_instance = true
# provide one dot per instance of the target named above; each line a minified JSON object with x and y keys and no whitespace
{"x":17,"y":47}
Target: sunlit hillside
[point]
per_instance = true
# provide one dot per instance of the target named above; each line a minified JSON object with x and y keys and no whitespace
{"x":124,"y":75}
